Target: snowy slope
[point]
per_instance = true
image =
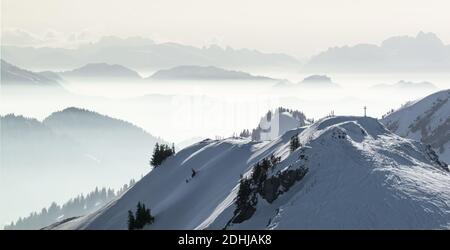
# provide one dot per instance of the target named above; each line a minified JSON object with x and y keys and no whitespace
{"x":276,"y":123}
{"x":359,"y":175}
{"x":427,"y":120}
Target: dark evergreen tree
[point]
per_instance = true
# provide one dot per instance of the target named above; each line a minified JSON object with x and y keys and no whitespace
{"x":131,"y":221}
{"x":160,"y":153}
{"x":269,"y":115}
{"x":256,"y":134}
{"x":246,"y":201}
{"x":245,"y":133}
{"x":141,"y":218}
{"x":294,"y":143}
{"x":243,"y":193}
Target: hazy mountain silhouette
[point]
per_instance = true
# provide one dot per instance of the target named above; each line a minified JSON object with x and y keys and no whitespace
{"x":73,"y":133}
{"x":317,"y":81}
{"x":37,"y":145}
{"x":22,"y":84}
{"x":74,"y":150}
{"x":424,"y":52}
{"x":106,"y":137}
{"x":406,"y":85}
{"x":143,"y":54}
{"x":191,"y":72}
{"x":52,"y":75}
{"x":101,"y":72}
{"x":14,"y":76}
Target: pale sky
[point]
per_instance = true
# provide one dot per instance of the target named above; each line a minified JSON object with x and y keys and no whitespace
{"x":297,"y":27}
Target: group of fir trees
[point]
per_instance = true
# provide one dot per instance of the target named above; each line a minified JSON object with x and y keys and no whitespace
{"x":160,"y":153}
{"x":82,"y":204}
{"x":141,"y":218}
{"x":294,"y":143}
{"x":245,"y":133}
{"x":246,"y":198}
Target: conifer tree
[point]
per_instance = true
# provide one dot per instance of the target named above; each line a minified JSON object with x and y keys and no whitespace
{"x":294,"y":143}
{"x":160,"y":153}
{"x":131,"y":221}
{"x":141,"y":218}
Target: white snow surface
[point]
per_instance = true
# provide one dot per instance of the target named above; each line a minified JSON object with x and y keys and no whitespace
{"x":404,"y":119}
{"x":361,"y":176}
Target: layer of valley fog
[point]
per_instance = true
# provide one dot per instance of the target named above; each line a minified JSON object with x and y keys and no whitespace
{"x":180,"y":110}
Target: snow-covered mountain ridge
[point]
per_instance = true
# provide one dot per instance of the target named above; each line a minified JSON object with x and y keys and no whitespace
{"x":355,"y":174}
{"x":427,"y":120}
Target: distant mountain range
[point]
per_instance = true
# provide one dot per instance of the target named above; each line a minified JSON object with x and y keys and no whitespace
{"x":103,"y":135}
{"x":43,"y":146}
{"x":406,"y":86}
{"x":143,"y":55}
{"x":310,"y":82}
{"x":317,"y":81}
{"x":15,"y":76}
{"x":104,"y":72}
{"x":422,"y":53}
{"x":101,"y":72}
{"x":190,"y":72}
